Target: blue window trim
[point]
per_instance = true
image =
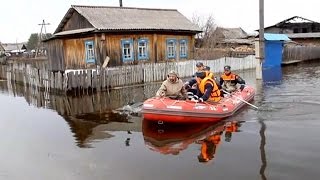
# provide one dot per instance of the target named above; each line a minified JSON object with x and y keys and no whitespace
{"x":147,"y":49}
{"x":123,"y":42}
{"x":186,"y":55}
{"x":174,"y":50}
{"x":89,"y":60}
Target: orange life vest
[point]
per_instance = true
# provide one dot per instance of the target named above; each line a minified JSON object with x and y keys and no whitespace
{"x":230,"y":77}
{"x":232,"y":127}
{"x":209,"y":147}
{"x":215,"y":94}
{"x":210,"y":74}
{"x":215,"y":138}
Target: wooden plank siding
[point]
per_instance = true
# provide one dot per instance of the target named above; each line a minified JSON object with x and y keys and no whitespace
{"x":76,"y":21}
{"x":69,"y":53}
{"x":157,"y":47}
{"x":74,"y":53}
{"x":56,"y":55}
{"x":294,"y":54}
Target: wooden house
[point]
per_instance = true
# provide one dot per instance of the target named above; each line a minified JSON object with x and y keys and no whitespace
{"x":294,"y":24}
{"x":88,"y":34}
{"x":14,"y":48}
{"x":232,"y":37}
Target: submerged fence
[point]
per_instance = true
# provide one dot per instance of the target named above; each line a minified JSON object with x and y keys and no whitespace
{"x":102,"y":79}
{"x":300,"y":53}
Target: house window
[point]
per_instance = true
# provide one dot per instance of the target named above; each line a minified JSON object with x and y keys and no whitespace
{"x":183,"y":48}
{"x":90,"y":58}
{"x":143,"y":49}
{"x":171,"y":48}
{"x":127,"y":50}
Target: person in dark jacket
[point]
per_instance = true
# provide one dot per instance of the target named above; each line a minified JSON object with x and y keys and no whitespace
{"x":207,"y":88}
{"x":229,"y":80}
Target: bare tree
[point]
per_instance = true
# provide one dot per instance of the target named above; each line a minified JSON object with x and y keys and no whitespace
{"x":207,"y":38}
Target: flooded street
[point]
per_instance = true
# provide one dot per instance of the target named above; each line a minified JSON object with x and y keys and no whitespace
{"x":53,"y":137}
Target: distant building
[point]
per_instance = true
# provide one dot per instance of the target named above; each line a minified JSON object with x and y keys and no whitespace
{"x":300,"y":30}
{"x":294,"y":24}
{"x":308,"y":39}
{"x":14,"y":48}
{"x":235,"y":40}
{"x":88,"y":34}
{"x":232,"y":37}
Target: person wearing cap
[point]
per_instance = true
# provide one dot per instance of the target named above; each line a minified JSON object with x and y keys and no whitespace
{"x":208,"y":72}
{"x":199,"y":66}
{"x":207,"y":88}
{"x":172,"y":87}
{"x":229,"y":80}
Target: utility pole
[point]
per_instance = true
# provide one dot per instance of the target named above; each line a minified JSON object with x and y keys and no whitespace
{"x":120,"y":2}
{"x":261,"y":40}
{"x":42,"y":36}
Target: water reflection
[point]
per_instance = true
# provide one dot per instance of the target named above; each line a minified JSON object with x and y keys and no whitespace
{"x":174,"y":138}
{"x":90,"y":128}
{"x":272,"y":75}
{"x":267,"y":142}
{"x":89,"y":116}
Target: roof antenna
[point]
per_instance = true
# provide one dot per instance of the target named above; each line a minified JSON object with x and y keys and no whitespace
{"x":120,"y":2}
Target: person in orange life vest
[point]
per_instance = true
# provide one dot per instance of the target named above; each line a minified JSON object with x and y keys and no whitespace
{"x":191,"y":85}
{"x":208,"y":72}
{"x":230,"y":127}
{"x":209,"y":147}
{"x":199,"y":66}
{"x":172,"y":87}
{"x":229,"y":80}
{"x":207,"y":90}
{"x":211,"y":75}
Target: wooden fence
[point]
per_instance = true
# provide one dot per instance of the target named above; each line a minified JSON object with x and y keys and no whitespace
{"x":83,"y":81}
{"x":300,"y":53}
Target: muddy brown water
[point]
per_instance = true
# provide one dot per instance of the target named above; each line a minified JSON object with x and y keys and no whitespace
{"x":52,"y":137}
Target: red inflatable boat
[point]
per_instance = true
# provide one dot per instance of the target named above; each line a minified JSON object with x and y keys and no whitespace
{"x":181,"y":111}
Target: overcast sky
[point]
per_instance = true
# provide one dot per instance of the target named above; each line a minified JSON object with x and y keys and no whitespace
{"x":20,"y":18}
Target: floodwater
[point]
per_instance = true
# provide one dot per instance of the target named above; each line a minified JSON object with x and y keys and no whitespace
{"x":54,"y":137}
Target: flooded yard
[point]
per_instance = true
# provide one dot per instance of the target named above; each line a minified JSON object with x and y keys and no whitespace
{"x":47,"y":136}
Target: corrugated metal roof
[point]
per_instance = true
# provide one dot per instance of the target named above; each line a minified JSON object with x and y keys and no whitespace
{"x":303,"y":35}
{"x":276,"y":37}
{"x":125,"y":18}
